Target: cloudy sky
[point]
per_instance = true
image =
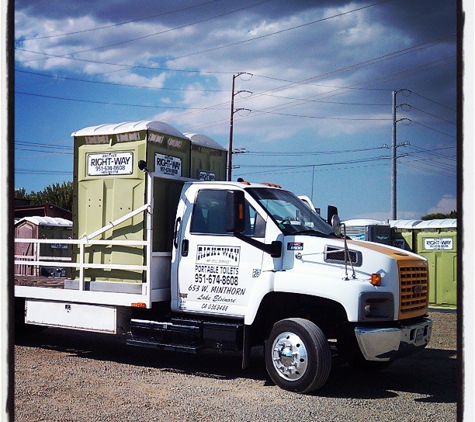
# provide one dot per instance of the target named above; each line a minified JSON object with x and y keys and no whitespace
{"x":313,"y":97}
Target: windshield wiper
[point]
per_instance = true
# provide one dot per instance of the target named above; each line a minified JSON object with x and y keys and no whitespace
{"x":313,"y":232}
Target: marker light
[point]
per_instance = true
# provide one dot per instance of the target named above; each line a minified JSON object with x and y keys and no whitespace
{"x":376,"y":279}
{"x":138,"y":305}
{"x":241,"y":211}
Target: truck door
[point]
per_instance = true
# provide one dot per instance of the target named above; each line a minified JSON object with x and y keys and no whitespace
{"x":215,"y":272}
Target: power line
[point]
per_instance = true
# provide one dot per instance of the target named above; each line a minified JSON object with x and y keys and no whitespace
{"x":106,"y":102}
{"x":282,"y":30}
{"x":336,"y":91}
{"x":434,"y":102}
{"x":374,"y":60}
{"x":124,"y":66}
{"x":68,"y":78}
{"x":42,"y":145}
{"x":44,"y":171}
{"x":309,"y":168}
{"x":307,"y":153}
{"x":227,"y":45}
{"x":435,"y":130}
{"x":64,"y":34}
{"x":279,"y":107}
{"x":168,"y":30}
{"x":434,"y":153}
{"x":289,"y":83}
{"x":428,"y":167}
{"x":323,"y":117}
{"x":433,"y":115}
{"x":323,"y":101}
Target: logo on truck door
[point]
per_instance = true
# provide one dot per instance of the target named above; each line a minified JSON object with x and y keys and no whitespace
{"x":217,"y":277}
{"x":224,"y":255}
{"x":217,"y":265}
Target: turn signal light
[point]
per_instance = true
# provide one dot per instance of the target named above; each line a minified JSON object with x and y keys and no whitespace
{"x":376,"y":279}
{"x":138,"y":305}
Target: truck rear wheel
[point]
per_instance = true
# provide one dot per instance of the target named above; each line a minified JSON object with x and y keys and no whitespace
{"x":297,"y":355}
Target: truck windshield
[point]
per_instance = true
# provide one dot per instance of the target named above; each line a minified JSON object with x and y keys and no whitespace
{"x":290,"y":213}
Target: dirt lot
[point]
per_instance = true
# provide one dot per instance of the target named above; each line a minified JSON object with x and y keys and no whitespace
{"x":72,"y":376}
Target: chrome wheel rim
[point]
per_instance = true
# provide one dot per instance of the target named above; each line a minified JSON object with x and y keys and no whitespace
{"x":289,"y":356}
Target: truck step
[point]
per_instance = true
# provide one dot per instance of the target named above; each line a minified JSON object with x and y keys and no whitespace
{"x":187,"y":335}
{"x":163,"y":346}
{"x":183,"y":332}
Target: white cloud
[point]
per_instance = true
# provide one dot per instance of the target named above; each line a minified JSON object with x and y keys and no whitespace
{"x":447,"y":204}
{"x":323,"y":86}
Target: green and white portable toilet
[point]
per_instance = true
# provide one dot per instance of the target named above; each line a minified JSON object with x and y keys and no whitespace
{"x":108,"y":185}
{"x":403,"y":234}
{"x":208,"y":158}
{"x":437,"y":241}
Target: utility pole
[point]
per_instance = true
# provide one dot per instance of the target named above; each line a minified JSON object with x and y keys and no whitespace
{"x":393,"y":164}
{"x":230,"y":148}
{"x":231,"y":123}
{"x":394,"y":157}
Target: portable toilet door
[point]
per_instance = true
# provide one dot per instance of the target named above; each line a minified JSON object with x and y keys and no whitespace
{"x":25,"y":229}
{"x":403,"y":234}
{"x":437,"y":241}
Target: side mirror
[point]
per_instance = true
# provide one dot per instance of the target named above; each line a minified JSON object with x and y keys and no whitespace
{"x":235,"y":215}
{"x":331,"y":211}
{"x":336,"y":224}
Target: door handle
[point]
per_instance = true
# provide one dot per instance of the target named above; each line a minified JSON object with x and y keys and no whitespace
{"x":175,"y":232}
{"x":185,"y":247}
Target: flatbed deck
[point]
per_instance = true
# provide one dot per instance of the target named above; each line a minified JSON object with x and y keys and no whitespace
{"x":40,"y":281}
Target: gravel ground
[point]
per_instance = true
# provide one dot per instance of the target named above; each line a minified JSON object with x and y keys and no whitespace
{"x":72,"y":376}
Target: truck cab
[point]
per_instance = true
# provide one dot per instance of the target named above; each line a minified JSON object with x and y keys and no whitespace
{"x":256,"y":255}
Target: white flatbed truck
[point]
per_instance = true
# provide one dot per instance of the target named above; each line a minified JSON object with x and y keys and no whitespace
{"x":231,"y":266}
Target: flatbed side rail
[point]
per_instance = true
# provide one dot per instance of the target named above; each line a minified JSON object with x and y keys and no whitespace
{"x":82,"y":294}
{"x":36,"y":260}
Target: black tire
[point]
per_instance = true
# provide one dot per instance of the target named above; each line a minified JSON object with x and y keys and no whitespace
{"x":297,"y":355}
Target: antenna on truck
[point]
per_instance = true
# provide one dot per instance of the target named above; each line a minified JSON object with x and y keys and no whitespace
{"x":337,"y":228}
{"x":347,"y":255}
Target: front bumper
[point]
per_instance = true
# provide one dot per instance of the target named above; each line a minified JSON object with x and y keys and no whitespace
{"x":384,"y":344}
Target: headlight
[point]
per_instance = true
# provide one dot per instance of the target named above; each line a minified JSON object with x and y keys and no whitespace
{"x":376,"y":306}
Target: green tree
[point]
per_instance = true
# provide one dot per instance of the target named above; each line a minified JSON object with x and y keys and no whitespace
{"x":438,"y":215}
{"x":57,"y":194}
{"x":20,"y":193}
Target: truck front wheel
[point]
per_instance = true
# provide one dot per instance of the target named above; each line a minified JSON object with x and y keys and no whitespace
{"x":297,"y":355}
